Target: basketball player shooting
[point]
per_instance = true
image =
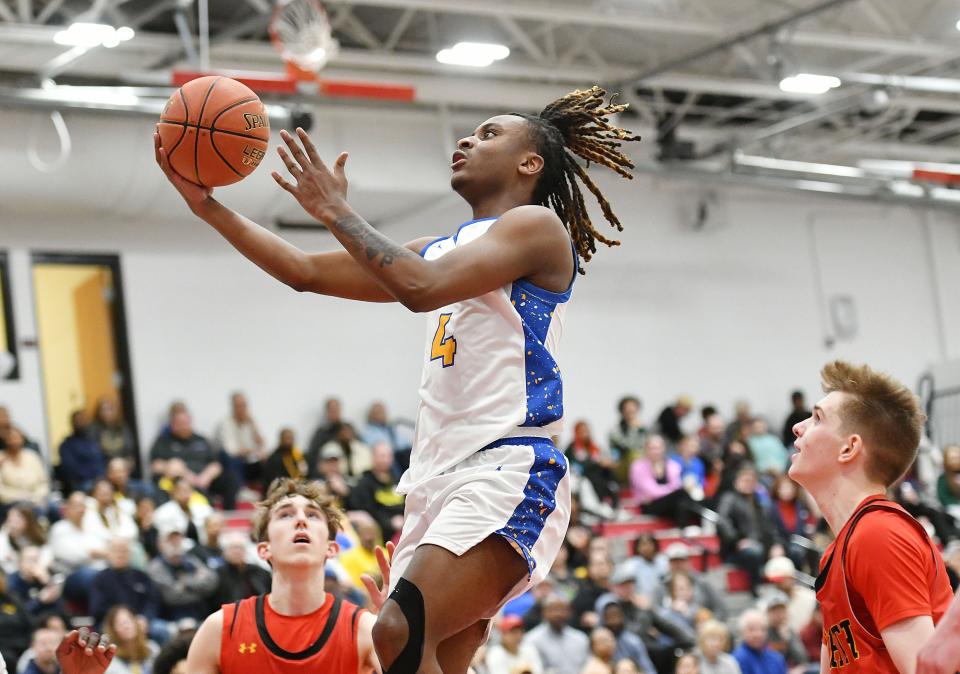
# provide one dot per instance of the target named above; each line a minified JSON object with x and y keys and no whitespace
{"x":488,"y":497}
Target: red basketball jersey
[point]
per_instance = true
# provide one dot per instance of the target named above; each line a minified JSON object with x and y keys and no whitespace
{"x":881,"y":569}
{"x":258,"y":639}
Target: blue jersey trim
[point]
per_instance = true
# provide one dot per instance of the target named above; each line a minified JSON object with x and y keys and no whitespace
{"x":547,"y":295}
{"x":526,"y":440}
{"x":542,"y":293}
{"x":424,"y":249}
{"x":544,"y":385}
{"x":539,"y":498}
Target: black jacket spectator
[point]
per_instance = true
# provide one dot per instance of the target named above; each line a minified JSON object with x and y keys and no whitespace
{"x":120,"y":584}
{"x":237,"y":582}
{"x":179,"y":451}
{"x":130,"y":587}
{"x":285,"y":461}
{"x":670,"y":417}
{"x":15,"y":627}
{"x":81,"y":459}
{"x":376,"y":492}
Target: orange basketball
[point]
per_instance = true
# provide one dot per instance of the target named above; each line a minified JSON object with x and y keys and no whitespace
{"x":214,"y":130}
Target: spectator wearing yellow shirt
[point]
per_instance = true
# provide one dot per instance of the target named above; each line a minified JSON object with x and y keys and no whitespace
{"x":360,"y":559}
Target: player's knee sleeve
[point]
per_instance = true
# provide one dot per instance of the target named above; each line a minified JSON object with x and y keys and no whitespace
{"x":410,"y":600}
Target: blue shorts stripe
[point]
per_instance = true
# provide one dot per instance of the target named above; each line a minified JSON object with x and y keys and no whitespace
{"x":539,"y":495}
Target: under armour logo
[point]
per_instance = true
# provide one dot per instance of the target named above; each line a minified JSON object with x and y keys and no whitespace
{"x":247,"y":648}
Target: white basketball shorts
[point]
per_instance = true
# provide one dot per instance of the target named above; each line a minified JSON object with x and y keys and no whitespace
{"x":515,"y":487}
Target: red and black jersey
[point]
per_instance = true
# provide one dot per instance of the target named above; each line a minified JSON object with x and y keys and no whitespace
{"x":881,"y":569}
{"x":256,"y":638}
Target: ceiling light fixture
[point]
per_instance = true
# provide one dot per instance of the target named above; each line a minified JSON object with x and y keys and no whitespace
{"x":807,"y":83}
{"x":93,"y":35}
{"x":475,"y":54}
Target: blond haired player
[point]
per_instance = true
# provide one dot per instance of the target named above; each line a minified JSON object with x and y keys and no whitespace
{"x":883,"y":584}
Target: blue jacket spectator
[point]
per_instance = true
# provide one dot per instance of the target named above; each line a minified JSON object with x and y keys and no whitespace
{"x":120,"y":584}
{"x":754,"y":655}
{"x":81,"y":459}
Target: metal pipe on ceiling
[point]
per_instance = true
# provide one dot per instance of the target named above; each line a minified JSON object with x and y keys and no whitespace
{"x":145,"y":101}
{"x":766,"y":28}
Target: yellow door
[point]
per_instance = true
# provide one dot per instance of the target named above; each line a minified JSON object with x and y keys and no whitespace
{"x":78,"y":354}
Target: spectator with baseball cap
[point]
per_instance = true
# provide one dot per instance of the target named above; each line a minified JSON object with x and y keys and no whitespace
{"x":801,"y":601}
{"x":512,"y":653}
{"x":678,"y":556}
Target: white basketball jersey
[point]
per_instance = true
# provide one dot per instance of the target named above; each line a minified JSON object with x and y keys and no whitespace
{"x":490,"y":368}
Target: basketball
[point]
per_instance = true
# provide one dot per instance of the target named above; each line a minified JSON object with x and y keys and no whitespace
{"x":215,"y":131}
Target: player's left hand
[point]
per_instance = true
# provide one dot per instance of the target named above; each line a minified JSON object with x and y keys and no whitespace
{"x":322,"y":193}
{"x":384,"y":559}
{"x":85,"y":652}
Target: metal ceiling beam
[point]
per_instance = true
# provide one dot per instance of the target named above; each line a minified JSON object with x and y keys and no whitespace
{"x":938,"y":131}
{"x":646,"y":23}
{"x":49,"y":10}
{"x":399,"y":28}
{"x":725,"y":43}
{"x":524,"y":40}
{"x":262,"y":56}
{"x":64,"y":60}
{"x":261,"y":6}
{"x":6,"y":14}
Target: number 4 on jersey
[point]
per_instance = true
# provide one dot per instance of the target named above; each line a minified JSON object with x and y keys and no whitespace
{"x":443,"y":347}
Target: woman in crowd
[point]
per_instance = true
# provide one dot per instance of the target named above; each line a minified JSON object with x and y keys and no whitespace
{"x":21,"y":529}
{"x":657,"y":486}
{"x":135,"y":653}
{"x":713,"y":642}
{"x":793,"y":518}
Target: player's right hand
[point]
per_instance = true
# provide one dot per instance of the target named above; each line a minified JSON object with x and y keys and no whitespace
{"x":192,"y":193}
{"x":85,"y":652}
{"x":384,"y":559}
{"x":939,"y":656}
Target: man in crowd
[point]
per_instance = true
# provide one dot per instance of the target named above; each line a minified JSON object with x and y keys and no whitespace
{"x":753,"y":654}
{"x":180,"y":452}
{"x":562,"y":649}
{"x":81,"y":459}
{"x":241,"y":440}
{"x":376,"y":492}
{"x":119,"y":584}
{"x":237,"y":578}
{"x":185,"y":583}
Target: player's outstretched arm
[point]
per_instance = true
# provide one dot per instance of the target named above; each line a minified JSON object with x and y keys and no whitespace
{"x":903,"y":640}
{"x":941,"y":653}
{"x":369,"y":662}
{"x":334,"y":273}
{"x":204,"y":654}
{"x":85,"y":652}
{"x":526,"y":240}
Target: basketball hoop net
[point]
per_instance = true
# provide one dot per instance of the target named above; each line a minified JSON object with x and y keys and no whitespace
{"x":301,"y":32}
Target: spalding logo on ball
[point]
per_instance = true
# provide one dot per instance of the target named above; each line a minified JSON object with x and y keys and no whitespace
{"x":215,"y":131}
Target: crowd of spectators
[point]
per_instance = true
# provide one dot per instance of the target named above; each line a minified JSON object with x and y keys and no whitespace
{"x":144,"y":545}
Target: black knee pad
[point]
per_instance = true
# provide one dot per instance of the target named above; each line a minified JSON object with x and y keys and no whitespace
{"x":410,"y":600}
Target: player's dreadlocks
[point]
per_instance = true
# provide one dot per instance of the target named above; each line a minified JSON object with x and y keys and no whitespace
{"x":578,"y":122}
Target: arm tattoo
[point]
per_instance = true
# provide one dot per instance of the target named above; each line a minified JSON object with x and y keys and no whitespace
{"x":365,"y":238}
